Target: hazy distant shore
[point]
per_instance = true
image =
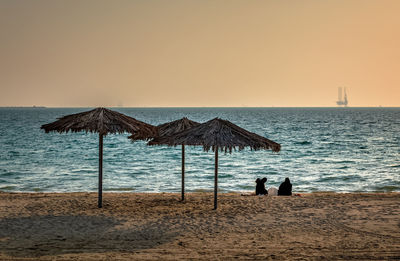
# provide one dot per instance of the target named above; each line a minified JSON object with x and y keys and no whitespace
{"x":23,"y":107}
{"x":142,"y":226}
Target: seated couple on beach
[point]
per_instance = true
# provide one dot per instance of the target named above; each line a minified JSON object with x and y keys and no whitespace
{"x":285,"y":189}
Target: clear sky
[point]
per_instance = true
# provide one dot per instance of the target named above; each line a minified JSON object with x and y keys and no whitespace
{"x":90,"y":53}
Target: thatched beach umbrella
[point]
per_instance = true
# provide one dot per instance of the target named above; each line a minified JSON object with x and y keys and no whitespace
{"x":102,"y":121}
{"x":218,"y":134}
{"x":168,"y":129}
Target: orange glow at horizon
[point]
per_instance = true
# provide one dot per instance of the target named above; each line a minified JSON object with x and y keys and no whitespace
{"x":199,"y":53}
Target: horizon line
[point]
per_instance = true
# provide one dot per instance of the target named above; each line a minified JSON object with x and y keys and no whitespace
{"x":160,"y":107}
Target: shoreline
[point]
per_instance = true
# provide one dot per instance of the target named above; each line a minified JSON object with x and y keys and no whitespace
{"x":193,"y":192}
{"x":148,"y":226}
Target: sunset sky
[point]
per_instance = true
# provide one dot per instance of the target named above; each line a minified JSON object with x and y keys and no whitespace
{"x":199,"y":53}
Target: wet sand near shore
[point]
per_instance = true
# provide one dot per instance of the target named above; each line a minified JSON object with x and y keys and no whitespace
{"x":157,"y":226}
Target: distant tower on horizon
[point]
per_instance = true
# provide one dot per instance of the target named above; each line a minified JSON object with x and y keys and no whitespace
{"x":342,"y":102}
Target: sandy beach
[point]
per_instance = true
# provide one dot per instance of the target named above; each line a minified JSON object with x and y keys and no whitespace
{"x":141,"y":226}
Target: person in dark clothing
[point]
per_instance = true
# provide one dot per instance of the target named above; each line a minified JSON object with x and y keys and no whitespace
{"x":260,"y":187}
{"x":285,"y":189}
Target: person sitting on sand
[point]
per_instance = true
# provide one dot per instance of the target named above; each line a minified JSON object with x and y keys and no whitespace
{"x":260,"y":187}
{"x":285,"y":189}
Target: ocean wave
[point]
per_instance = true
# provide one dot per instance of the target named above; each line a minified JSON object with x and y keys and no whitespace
{"x":352,"y":178}
{"x":84,"y":171}
{"x":387,"y":188}
{"x":227,"y":175}
{"x":342,"y":162}
{"x":328,"y":179}
{"x":303,"y":143}
{"x":119,"y":189}
{"x":8,"y":174}
{"x":8,"y":188}
{"x":343,"y":178}
{"x":202,"y":190}
{"x":246,"y":187}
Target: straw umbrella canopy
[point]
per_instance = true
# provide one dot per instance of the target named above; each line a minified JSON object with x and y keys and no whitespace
{"x":168,"y":129}
{"x":218,"y":134}
{"x":102,"y":121}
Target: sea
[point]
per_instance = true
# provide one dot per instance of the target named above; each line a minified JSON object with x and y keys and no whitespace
{"x":323,"y":149}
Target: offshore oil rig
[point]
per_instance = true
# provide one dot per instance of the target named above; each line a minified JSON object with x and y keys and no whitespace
{"x":342,"y":101}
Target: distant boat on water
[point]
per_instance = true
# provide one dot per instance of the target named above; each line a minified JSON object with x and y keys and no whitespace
{"x":342,"y":101}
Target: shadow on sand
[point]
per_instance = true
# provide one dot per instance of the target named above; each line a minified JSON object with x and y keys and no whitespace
{"x":57,"y":235}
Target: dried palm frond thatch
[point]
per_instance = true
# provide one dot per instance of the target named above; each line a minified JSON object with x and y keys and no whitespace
{"x":221,"y":135}
{"x":173,"y":127}
{"x":168,"y":129}
{"x":102,"y":121}
{"x":218,"y":133}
